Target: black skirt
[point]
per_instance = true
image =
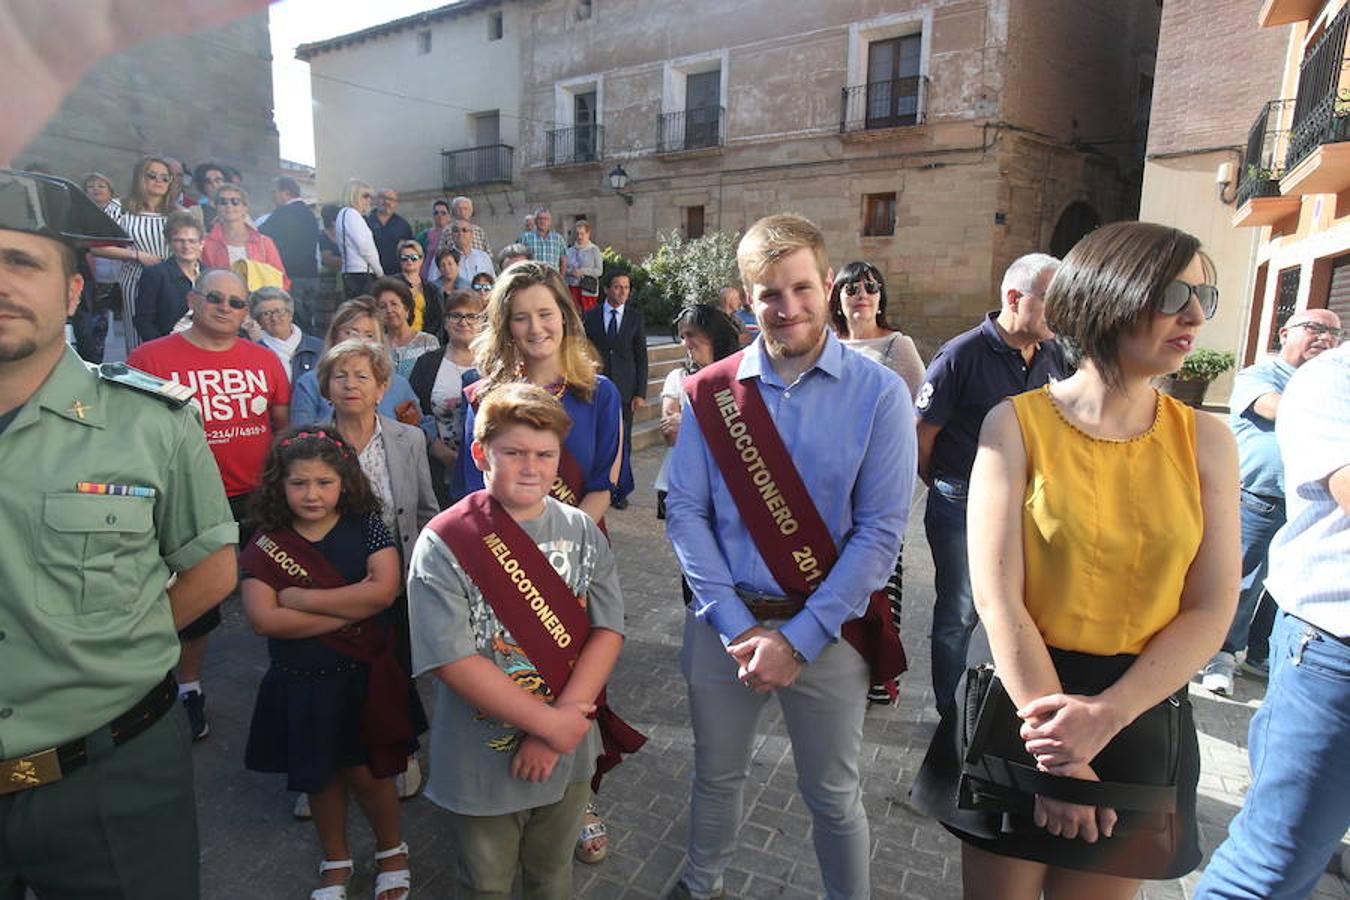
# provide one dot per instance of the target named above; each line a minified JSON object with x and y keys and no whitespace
{"x":1129,"y":853}
{"x":307,"y":718}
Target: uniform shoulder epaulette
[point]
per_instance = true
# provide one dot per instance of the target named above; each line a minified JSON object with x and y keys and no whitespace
{"x":171,"y":392}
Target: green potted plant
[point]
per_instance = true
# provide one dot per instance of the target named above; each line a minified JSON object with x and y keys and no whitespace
{"x":1189,"y":383}
{"x":1264,"y":182}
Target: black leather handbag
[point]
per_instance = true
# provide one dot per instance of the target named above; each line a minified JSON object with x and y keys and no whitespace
{"x":1138,"y":768}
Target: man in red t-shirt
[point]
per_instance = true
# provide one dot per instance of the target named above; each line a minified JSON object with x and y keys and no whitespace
{"x":243,"y":395}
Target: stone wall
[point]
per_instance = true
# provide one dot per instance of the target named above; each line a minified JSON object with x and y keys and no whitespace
{"x":197,"y":97}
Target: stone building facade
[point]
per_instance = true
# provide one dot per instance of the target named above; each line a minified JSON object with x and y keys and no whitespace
{"x":196,"y":97}
{"x":1198,"y":133}
{"x":428,"y":105}
{"x":938,"y":140}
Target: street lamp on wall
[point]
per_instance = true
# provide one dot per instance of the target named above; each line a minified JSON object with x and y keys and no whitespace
{"x":618,"y":180}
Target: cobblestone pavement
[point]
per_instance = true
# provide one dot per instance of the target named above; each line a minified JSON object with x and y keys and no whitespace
{"x":251,"y":847}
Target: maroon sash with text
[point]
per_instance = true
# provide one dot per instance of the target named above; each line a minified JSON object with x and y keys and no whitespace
{"x":531,"y":599}
{"x":570,"y":484}
{"x":282,"y":559}
{"x":777,"y":509}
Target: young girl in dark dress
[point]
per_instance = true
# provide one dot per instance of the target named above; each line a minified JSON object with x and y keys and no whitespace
{"x":333,"y":709}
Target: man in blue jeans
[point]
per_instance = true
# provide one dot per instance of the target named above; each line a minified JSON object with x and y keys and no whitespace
{"x":1298,"y":806}
{"x":1254,"y":405}
{"x":1011,"y":351}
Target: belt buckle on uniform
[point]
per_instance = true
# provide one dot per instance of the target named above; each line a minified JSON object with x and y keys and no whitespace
{"x":29,"y":772}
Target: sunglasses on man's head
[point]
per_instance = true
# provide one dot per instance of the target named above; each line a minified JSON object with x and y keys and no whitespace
{"x":216,"y":298}
{"x":408,"y":257}
{"x":1177,"y":294}
{"x":230,"y":201}
{"x":870,"y":287}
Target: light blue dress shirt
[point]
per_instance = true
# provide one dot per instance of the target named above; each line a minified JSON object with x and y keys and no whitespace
{"x":849,"y":425}
{"x":1310,"y":556}
{"x":1258,"y":451}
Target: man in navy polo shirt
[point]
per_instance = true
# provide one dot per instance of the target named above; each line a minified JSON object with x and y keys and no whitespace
{"x":1010,"y":352}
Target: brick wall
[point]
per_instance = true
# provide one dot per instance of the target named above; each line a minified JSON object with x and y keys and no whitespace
{"x":1215,"y":68}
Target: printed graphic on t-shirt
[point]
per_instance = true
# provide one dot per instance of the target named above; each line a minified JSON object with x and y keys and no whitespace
{"x":226,"y":398}
{"x":566,"y":556}
{"x":234,"y":390}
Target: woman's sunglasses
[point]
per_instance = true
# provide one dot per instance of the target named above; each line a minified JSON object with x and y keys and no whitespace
{"x":870,"y":287}
{"x":230,"y":201}
{"x":481,"y":287}
{"x":1177,"y":294}
{"x":161,"y":177}
{"x":460,"y":318}
{"x":408,"y":257}
{"x":216,"y":298}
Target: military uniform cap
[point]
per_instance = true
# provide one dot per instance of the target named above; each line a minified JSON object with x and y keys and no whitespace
{"x":57,"y":209}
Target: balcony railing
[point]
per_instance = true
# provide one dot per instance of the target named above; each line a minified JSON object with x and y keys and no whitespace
{"x":1320,"y":111}
{"x":1267,"y":146}
{"x":897,"y":103}
{"x":692,"y":129}
{"x":578,"y":144}
{"x":476,"y":165}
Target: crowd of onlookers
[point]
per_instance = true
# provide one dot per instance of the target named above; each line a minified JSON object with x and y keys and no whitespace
{"x":342,"y":352}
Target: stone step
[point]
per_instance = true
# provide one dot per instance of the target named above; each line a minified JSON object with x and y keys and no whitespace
{"x":647,"y":434}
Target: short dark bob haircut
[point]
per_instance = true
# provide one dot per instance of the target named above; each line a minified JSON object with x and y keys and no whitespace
{"x":1110,"y":282}
{"x":710,"y":320}
{"x":855,"y":271}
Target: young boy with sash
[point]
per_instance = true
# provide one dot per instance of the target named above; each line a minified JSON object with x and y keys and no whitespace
{"x":514,"y":599}
{"x":790,"y":485}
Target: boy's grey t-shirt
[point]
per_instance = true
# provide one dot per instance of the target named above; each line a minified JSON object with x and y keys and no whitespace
{"x":470,"y":754}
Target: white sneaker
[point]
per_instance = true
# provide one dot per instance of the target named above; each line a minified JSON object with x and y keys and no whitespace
{"x":409,"y":781}
{"x":301,"y":810}
{"x":1217,"y":675}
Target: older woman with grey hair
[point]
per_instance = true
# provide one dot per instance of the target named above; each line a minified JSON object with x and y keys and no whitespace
{"x":353,"y":376}
{"x":274,"y":310}
{"x":510,"y":255}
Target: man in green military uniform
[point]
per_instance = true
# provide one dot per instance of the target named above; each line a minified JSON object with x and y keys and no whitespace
{"x":108,"y":489}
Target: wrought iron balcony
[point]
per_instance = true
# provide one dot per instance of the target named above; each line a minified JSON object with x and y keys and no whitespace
{"x":898,"y":103}
{"x":1267,"y":146}
{"x":476,"y":165}
{"x":692,"y":129}
{"x":1322,"y":105}
{"x":578,"y":144}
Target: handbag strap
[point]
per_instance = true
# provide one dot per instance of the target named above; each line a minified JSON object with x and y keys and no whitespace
{"x":1111,"y":794}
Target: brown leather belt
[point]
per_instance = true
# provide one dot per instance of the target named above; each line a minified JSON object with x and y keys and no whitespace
{"x":767,"y":606}
{"x":46,"y":766}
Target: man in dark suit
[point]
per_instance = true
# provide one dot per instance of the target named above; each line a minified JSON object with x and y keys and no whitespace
{"x":294,"y":229}
{"x":617,"y":331}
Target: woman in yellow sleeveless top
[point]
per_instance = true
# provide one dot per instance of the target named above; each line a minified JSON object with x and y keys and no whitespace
{"x":1104,"y":561}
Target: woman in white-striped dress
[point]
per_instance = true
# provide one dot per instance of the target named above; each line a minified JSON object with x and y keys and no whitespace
{"x":142,"y":215}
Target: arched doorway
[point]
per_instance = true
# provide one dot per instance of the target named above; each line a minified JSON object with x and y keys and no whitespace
{"x":1077,"y":220}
